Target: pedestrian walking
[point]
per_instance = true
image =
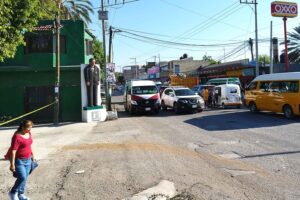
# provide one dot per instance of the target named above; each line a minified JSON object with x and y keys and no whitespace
{"x":21,"y":156}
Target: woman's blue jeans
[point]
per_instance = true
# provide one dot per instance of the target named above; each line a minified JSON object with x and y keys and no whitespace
{"x":22,"y":169}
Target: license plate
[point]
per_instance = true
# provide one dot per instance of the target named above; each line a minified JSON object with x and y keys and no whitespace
{"x":194,"y":106}
{"x":147,"y":109}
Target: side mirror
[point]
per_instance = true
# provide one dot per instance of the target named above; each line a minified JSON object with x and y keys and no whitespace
{"x":172,"y":94}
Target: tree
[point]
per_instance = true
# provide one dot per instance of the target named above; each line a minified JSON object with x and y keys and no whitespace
{"x":184,"y":56}
{"x":294,"y":45}
{"x":210,"y":60}
{"x":120,"y":78}
{"x":264,"y":59}
{"x":69,"y":9}
{"x":16,"y":17}
{"x":99,"y":56}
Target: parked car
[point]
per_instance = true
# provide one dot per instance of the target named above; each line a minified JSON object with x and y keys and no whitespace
{"x":141,"y":96}
{"x":181,"y":99}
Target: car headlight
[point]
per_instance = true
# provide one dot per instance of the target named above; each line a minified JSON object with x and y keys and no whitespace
{"x":200,"y":100}
{"x":134,"y":102}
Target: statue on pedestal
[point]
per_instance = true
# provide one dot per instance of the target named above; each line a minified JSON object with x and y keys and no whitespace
{"x":92,"y":80}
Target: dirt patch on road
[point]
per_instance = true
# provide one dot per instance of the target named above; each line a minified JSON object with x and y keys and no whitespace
{"x":217,"y":161}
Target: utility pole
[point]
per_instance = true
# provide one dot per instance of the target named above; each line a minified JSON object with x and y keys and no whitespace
{"x":285,"y":45}
{"x":136,"y":68}
{"x":271,"y":48}
{"x":110,"y":45}
{"x":57,"y":56}
{"x":103,"y":16}
{"x":251,"y":48}
{"x":256,"y":31}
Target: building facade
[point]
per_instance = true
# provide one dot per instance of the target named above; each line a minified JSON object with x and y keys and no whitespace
{"x":27,"y":80}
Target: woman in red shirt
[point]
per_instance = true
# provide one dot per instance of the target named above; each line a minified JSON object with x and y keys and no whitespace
{"x":21,"y":157}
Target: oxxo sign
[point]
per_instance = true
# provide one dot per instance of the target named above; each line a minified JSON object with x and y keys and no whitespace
{"x":284,"y":9}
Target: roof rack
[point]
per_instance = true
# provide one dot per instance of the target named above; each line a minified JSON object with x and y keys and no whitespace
{"x":177,"y":86}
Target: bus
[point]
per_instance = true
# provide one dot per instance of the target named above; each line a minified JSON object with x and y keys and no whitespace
{"x":221,"y":81}
{"x":275,"y":92}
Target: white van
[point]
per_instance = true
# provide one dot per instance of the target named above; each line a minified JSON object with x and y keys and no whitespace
{"x":141,"y":96}
{"x":228,"y":95}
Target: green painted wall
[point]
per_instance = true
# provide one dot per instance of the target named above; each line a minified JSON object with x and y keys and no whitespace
{"x":38,"y":69}
{"x":75,"y":34}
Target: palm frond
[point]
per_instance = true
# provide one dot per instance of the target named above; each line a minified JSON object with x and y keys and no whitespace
{"x":77,"y":9}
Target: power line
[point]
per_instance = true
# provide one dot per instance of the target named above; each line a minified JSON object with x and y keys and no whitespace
{"x":199,"y":14}
{"x":209,"y":24}
{"x":174,"y":43}
{"x":220,"y":13}
{"x":167,"y":36}
{"x":116,"y":4}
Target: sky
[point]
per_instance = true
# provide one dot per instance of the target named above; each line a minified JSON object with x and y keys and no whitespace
{"x":225,"y":24}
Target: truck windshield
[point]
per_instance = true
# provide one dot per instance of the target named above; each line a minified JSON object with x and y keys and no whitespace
{"x":144,"y":90}
{"x":184,"y":92}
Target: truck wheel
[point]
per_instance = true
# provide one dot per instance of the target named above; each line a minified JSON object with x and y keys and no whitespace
{"x":288,"y":112}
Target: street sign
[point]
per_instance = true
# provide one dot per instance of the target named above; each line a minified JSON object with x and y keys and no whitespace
{"x":103,"y":15}
{"x":110,"y":73}
{"x":284,"y":9}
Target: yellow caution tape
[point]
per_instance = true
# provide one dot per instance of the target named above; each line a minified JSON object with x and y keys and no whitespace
{"x":27,"y":114}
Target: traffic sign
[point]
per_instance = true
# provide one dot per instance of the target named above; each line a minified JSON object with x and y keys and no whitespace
{"x":103,"y":15}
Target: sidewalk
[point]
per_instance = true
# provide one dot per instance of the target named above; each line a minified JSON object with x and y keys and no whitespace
{"x":48,"y":139}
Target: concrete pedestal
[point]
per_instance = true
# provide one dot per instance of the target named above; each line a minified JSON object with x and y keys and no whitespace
{"x":94,"y":114}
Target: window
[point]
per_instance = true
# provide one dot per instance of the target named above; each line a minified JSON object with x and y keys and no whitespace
{"x":184,"y":92}
{"x":252,"y":86}
{"x":264,"y":86}
{"x":62,"y":44}
{"x":144,"y":90}
{"x":39,"y":44}
{"x":233,"y":90}
{"x":274,"y":86}
{"x":167,"y":92}
{"x":280,"y":86}
{"x":89,"y":47}
{"x":289,"y":86}
{"x":44,"y":44}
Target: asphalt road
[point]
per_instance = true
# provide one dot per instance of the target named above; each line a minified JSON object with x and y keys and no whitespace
{"x":226,"y":154}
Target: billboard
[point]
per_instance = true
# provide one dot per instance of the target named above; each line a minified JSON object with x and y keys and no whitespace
{"x":153,"y":70}
{"x":284,"y":9}
{"x":110,"y":73}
